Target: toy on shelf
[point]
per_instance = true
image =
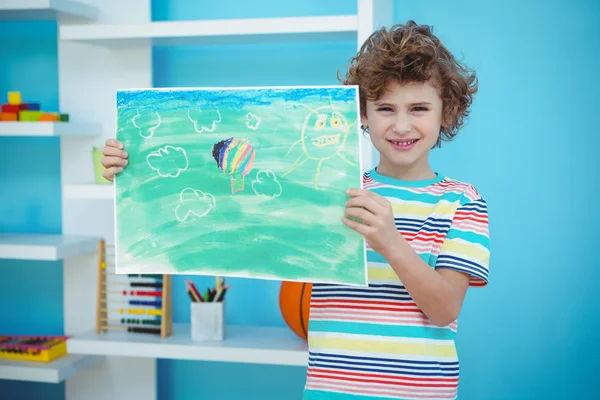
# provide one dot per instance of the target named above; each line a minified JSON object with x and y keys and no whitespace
{"x":294,"y":304}
{"x":136,"y":303}
{"x":33,"y":348}
{"x":98,"y":167}
{"x":17,"y":111}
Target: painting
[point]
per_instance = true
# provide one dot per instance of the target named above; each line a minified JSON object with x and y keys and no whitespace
{"x":239,"y":182}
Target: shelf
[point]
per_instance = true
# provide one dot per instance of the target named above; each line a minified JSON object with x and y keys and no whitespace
{"x":48,"y":129}
{"x":242,"y":344}
{"x":258,"y":30}
{"x":44,"y":9}
{"x":89,"y":192}
{"x":44,"y":247}
{"x":52,"y":372}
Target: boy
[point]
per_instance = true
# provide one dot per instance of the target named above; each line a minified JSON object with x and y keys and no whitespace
{"x":427,"y":235}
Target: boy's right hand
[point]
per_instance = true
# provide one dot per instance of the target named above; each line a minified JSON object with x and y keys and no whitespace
{"x":115,"y":158}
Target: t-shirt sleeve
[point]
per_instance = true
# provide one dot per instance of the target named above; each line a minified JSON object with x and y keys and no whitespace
{"x":467,"y":244}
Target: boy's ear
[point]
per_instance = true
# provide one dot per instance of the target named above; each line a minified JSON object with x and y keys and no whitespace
{"x":363,"y":121}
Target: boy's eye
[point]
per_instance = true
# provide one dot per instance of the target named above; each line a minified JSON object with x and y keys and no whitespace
{"x":384,"y":109}
{"x":420,"y":109}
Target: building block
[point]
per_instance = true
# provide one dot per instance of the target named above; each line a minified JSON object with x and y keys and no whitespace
{"x":10,"y":108}
{"x":30,"y":116}
{"x":47,"y":117}
{"x":33,"y":106}
{"x":14,"y":98}
{"x":64,"y":117}
{"x":7,"y":116}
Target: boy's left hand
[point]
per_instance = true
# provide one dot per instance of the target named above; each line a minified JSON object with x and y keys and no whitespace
{"x":378,"y":226}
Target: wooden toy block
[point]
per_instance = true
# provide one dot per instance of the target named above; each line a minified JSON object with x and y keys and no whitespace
{"x":30,"y":116}
{"x":14,"y":98}
{"x":64,"y":117}
{"x":10,"y":108}
{"x":33,"y":106}
{"x":6,"y":117}
{"x":47,"y":117}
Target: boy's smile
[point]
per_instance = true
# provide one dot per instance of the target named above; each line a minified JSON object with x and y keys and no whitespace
{"x":404,"y":124}
{"x":403,"y":144}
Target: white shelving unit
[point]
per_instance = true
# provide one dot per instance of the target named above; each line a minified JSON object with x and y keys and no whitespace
{"x":106,"y":45}
{"x":89,"y":192}
{"x":48,"y":129}
{"x":257,"y":30}
{"x":45,"y":247}
{"x":243,"y":344}
{"x":44,"y":9}
{"x":53,"y":372}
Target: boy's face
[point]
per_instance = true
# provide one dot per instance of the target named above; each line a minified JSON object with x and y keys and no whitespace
{"x":404,"y":124}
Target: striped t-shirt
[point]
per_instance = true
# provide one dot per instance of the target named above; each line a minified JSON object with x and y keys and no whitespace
{"x":374,"y":342}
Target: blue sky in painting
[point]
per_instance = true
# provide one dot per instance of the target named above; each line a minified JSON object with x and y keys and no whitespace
{"x":172,"y":99}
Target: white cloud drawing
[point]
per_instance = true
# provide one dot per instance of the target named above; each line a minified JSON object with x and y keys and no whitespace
{"x":169,"y":161}
{"x":266,"y":184}
{"x":204,"y":120}
{"x":252,"y":121}
{"x":146,"y":121}
{"x":196,"y":202}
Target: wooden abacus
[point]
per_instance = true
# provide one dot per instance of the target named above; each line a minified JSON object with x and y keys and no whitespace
{"x":140,"y":290}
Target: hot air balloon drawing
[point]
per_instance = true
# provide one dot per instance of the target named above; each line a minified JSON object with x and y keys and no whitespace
{"x":234,"y":157}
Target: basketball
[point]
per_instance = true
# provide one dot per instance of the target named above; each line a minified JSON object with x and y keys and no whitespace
{"x":294,"y":303}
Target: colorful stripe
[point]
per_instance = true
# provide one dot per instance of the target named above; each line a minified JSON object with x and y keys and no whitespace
{"x":374,"y":342}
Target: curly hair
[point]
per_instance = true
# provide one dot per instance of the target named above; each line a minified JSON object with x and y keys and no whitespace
{"x":411,"y":53}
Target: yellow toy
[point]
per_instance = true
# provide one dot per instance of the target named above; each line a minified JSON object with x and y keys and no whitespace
{"x":33,"y":348}
{"x":14,"y":98}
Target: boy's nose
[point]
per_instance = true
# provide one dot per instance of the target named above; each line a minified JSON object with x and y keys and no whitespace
{"x":402,"y":124}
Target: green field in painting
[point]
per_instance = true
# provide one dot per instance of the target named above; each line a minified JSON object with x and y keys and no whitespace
{"x":239,"y":182}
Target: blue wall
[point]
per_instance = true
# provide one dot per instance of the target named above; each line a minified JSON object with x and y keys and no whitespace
{"x":529,"y":147}
{"x":30,"y":291}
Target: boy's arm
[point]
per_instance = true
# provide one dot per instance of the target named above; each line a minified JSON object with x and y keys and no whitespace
{"x":438,"y":292}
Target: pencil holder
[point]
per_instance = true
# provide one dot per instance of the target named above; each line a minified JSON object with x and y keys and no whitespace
{"x":207,"y":321}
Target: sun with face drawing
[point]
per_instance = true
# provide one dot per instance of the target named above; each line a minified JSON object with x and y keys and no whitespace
{"x":323,"y":136}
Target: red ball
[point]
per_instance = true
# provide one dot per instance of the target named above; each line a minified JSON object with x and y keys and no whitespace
{"x":294,"y":304}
